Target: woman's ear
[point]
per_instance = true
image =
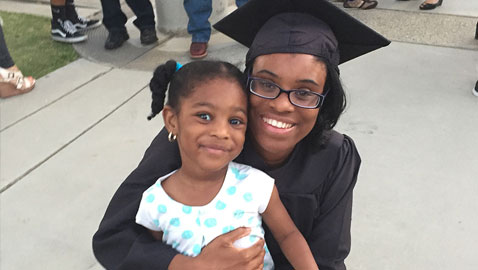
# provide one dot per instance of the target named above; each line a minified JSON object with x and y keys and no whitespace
{"x":170,"y":119}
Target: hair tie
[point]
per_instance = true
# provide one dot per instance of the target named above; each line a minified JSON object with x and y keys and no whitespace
{"x":178,"y":66}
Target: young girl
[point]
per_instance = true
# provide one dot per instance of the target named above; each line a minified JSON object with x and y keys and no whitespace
{"x":209,"y":195}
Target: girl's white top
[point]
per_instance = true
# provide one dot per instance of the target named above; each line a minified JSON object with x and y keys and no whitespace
{"x":244,"y":195}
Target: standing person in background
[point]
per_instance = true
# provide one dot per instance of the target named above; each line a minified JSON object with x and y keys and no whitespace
{"x":12,"y":81}
{"x":66,"y":24}
{"x":199,"y":27}
{"x":114,"y":20}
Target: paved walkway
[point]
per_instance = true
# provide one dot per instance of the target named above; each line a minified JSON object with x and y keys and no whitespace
{"x":67,"y":145}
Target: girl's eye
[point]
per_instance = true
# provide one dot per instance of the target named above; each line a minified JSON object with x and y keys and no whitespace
{"x":205,"y":116}
{"x":235,"y":122}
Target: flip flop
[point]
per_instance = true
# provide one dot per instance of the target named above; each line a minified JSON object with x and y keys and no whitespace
{"x":360,"y":4}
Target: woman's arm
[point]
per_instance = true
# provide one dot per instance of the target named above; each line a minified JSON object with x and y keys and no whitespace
{"x":120,"y":243}
{"x":330,"y":238}
{"x":291,"y":241}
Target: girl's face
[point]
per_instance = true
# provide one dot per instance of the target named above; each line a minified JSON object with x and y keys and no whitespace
{"x":277,"y":125}
{"x":210,"y":125}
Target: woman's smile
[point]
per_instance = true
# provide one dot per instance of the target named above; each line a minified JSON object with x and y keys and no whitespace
{"x":277,"y":123}
{"x":277,"y":127}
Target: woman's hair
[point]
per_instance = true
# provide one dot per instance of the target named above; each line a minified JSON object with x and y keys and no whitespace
{"x":332,"y":108}
{"x":182,"y":82}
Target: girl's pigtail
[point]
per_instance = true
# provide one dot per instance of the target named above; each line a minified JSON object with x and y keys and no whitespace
{"x":159,"y":84}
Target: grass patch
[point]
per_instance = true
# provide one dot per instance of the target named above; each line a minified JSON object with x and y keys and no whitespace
{"x":30,"y":45}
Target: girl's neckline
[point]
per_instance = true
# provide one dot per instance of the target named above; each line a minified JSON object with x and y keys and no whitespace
{"x":213,"y":200}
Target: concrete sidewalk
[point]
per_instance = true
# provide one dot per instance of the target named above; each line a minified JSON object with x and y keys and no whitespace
{"x":68,"y":145}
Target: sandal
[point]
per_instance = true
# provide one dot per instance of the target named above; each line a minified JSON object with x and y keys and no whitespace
{"x":360,"y":4}
{"x":13,"y":83}
{"x":428,"y":6}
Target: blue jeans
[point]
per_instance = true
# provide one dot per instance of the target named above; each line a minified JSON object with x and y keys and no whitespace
{"x":198,"y":13}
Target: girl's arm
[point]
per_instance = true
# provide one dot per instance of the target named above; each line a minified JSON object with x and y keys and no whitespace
{"x":291,"y":241}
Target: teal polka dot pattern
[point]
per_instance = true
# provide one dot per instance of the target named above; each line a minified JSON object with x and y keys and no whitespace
{"x":156,"y":222}
{"x":187,"y":234}
{"x":175,"y":244}
{"x":150,"y":198}
{"x":239,"y":176}
{"x":187,"y":209}
{"x":250,"y":220}
{"x":231,"y":190}
{"x":196,"y":249}
{"x":210,"y":222}
{"x":252,"y":238}
{"x":248,"y":197}
{"x":220,"y":205}
{"x":162,"y":208}
{"x":198,"y":221}
{"x":227,"y":229}
{"x":175,"y":222}
{"x":238,"y":214}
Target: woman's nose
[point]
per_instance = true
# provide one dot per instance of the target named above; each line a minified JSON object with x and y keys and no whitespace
{"x":282,"y":103}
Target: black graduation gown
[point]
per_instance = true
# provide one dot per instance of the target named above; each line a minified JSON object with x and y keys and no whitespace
{"x":314,"y":185}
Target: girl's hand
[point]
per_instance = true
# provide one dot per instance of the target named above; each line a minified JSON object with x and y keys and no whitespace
{"x":221,"y":254}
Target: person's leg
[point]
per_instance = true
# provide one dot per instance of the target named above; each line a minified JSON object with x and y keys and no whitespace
{"x":12,"y":81}
{"x":58,"y":9}
{"x":198,"y":12}
{"x":144,"y":13}
{"x":62,"y":29}
{"x":79,"y":22}
{"x":114,"y":20}
{"x":6,"y":60}
{"x":144,"y":20}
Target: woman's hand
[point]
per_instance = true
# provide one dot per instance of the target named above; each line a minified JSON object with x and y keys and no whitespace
{"x":222,"y":254}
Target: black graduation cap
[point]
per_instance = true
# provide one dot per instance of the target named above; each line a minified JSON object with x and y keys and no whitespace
{"x":315,"y":27}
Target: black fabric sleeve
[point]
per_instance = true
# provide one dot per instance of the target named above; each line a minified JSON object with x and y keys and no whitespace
{"x":330,"y":236}
{"x":120,"y":243}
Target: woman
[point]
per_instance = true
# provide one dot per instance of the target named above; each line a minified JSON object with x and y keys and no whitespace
{"x":315,"y":168}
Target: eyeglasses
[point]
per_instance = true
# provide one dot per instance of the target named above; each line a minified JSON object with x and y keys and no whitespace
{"x":302,"y":98}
